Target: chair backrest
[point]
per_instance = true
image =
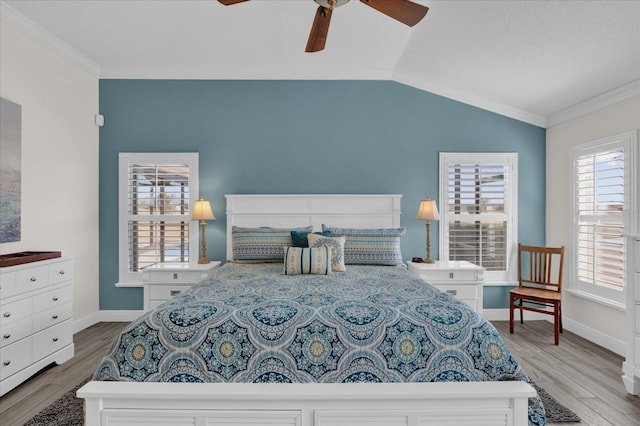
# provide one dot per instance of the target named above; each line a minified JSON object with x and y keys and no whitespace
{"x":540,"y":267}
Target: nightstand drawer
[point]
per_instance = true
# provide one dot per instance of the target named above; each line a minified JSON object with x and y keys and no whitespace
{"x":166,"y":292}
{"x":461,"y":292}
{"x":174,"y":276}
{"x":442,"y":276}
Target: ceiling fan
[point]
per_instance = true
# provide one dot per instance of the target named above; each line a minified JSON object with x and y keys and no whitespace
{"x":405,"y":11}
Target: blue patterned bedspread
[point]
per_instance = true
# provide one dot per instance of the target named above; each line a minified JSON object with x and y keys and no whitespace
{"x":251,"y":323}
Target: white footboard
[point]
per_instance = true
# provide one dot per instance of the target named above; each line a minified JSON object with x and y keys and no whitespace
{"x":309,"y":404}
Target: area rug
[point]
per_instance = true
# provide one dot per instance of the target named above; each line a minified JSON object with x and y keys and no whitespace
{"x":69,"y":410}
{"x":556,"y":412}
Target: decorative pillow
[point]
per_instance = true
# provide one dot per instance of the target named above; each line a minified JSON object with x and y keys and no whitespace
{"x":370,"y":246}
{"x":300,"y":260}
{"x":299,"y":238}
{"x":262,"y":244}
{"x":337,"y":249}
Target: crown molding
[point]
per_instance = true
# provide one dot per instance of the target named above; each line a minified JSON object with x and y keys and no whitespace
{"x":17,"y":20}
{"x":594,"y":104}
{"x":478,"y":102}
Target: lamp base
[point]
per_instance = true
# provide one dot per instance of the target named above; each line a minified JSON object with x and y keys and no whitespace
{"x":428,"y":260}
{"x":203,"y":261}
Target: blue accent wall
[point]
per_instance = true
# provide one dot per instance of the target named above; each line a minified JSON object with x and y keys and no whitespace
{"x":305,"y":137}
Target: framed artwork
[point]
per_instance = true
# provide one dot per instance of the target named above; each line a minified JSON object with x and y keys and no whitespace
{"x":10,"y":170}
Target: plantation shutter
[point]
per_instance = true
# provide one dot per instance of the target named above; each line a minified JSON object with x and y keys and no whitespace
{"x":477,"y":213}
{"x":600,"y":198}
{"x":158,"y":214}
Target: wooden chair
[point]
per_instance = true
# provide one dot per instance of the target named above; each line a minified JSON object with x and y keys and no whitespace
{"x":539,"y":284}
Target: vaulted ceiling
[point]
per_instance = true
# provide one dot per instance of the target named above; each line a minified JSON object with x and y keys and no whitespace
{"x":531,"y":60}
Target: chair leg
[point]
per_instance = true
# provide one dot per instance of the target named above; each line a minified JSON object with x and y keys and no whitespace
{"x":521,"y":312}
{"x":511,"y":313}
{"x":556,"y":323}
{"x":560,"y":314}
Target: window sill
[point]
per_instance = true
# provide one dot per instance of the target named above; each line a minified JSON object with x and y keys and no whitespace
{"x":127,"y":285}
{"x":598,"y":299}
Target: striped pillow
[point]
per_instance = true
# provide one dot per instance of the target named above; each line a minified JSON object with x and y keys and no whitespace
{"x":370,"y":246}
{"x":261,"y":244}
{"x":301,"y":260}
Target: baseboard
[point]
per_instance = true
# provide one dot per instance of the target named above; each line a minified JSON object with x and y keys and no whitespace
{"x":599,"y":338}
{"x":614,"y":345}
{"x":105,"y":316}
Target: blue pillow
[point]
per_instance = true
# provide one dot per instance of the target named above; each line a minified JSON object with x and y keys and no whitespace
{"x":262,"y":244}
{"x":370,"y":246}
{"x":299,"y":238}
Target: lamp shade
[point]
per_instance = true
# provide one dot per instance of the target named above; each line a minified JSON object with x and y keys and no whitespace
{"x":428,"y":210}
{"x":202,"y":210}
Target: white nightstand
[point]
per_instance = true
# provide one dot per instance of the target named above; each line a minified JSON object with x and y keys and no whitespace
{"x":461,"y":279}
{"x":163,"y":281}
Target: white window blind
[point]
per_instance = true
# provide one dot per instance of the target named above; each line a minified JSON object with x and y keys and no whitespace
{"x":603,"y":195}
{"x":478,"y":208}
{"x":158,"y":223}
{"x":600,"y":206}
{"x":156,"y":193}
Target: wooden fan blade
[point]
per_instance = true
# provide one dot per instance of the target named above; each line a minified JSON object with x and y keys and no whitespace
{"x":405,"y":11}
{"x":319,"y":30}
{"x":230,"y":2}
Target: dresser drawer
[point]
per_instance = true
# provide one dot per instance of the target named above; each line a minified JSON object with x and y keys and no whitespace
{"x":636,"y":250}
{"x":15,"y":311}
{"x":14,"y":358}
{"x":175,"y":276}
{"x":166,"y":292}
{"x":42,"y":320}
{"x":52,"y":339}
{"x":15,"y":331}
{"x":31,"y":278}
{"x":7,"y":285}
{"x":52,"y":298}
{"x":462,"y":292}
{"x":60,"y":272}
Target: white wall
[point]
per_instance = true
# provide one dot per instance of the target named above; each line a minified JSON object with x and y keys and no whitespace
{"x":59,"y":157}
{"x":602,"y":324}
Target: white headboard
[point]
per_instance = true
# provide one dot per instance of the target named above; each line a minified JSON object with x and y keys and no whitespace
{"x":296,"y":210}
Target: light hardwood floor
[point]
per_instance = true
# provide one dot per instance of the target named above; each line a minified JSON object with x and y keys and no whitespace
{"x":582,"y":376}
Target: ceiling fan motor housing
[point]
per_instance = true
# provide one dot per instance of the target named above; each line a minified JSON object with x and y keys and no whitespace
{"x":331,"y":4}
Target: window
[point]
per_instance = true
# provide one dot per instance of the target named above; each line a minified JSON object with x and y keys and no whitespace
{"x":603,"y":197}
{"x":478,"y":202}
{"x":155,"y":195}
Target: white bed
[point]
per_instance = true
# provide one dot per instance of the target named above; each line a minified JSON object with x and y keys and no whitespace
{"x":317,"y":404}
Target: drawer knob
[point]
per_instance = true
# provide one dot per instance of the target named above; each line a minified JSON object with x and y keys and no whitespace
{"x":55,"y":298}
{"x":7,"y":336}
{"x":55,"y":317}
{"x":61,"y":272}
{"x":175,"y":276}
{"x":451,"y":275}
{"x":6,"y":363}
{"x":452,"y":292}
{"x":55,"y":339}
{"x":174,"y":292}
{"x":33,"y":279}
{"x":7,"y":314}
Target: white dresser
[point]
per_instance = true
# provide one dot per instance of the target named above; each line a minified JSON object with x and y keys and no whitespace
{"x":463,"y":280}
{"x":631,"y":365}
{"x":163,"y":281}
{"x":36,"y":306}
